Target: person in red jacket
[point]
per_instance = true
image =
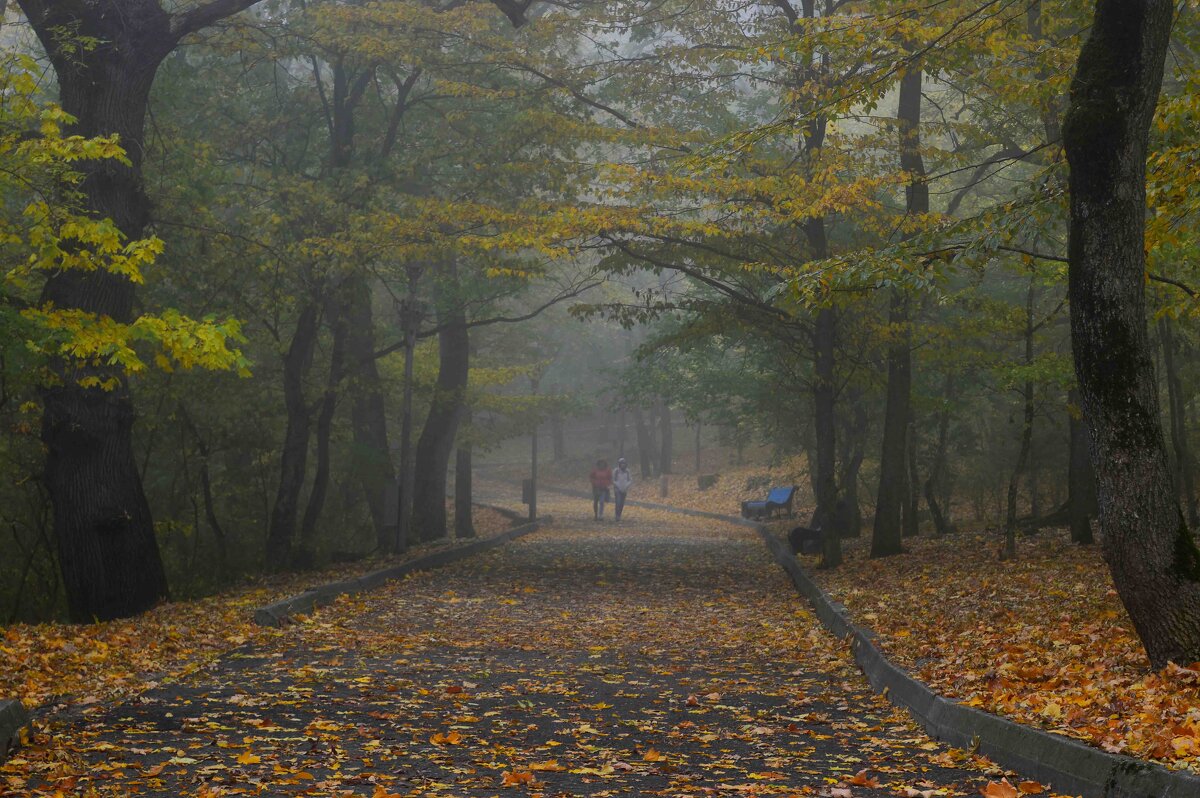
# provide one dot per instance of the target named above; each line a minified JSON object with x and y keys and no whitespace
{"x":601,"y":479}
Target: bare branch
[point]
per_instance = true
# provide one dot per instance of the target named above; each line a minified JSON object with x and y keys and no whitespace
{"x":202,"y":16}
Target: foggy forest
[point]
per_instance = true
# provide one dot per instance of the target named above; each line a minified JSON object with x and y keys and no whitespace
{"x":562,"y":398}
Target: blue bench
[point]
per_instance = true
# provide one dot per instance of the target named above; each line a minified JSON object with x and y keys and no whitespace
{"x":779,"y":500}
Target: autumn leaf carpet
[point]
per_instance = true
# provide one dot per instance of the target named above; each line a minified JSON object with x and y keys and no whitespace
{"x":663,"y":657}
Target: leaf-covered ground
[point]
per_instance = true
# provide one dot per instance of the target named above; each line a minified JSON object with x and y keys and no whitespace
{"x":69,"y":666}
{"x":662,"y":657}
{"x":1043,"y":639}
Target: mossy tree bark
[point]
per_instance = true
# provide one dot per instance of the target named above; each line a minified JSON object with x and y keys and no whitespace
{"x":1151,"y":552}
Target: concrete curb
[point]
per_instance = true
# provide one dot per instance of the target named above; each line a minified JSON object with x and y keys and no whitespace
{"x":13,"y":719}
{"x":280,"y":613}
{"x":1066,"y":764}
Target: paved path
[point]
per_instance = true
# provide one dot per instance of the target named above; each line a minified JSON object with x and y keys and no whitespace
{"x":664,"y":657}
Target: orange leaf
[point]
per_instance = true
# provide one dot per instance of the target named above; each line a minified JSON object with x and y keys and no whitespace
{"x":1031,"y":788}
{"x":861,"y":779}
{"x":653,"y":756}
{"x":450,"y":738}
{"x":380,"y":792}
{"x":247,"y":758}
{"x":1000,"y":789}
{"x":515,"y":778}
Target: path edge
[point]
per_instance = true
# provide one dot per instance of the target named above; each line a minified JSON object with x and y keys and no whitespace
{"x":1063,"y":763}
{"x":280,"y":613}
{"x":14,"y":719}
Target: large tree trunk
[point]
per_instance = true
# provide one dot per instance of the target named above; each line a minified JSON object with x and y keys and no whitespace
{"x":1081,"y":482}
{"x":441,"y":426}
{"x":886,"y":535}
{"x":106,"y":545}
{"x":293,"y":459}
{"x":1153,"y":557}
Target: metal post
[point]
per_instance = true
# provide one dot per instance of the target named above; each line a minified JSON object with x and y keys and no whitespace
{"x":533,"y":474}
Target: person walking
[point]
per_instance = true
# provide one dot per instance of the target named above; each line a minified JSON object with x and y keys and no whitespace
{"x":622,"y":479}
{"x":601,"y":479}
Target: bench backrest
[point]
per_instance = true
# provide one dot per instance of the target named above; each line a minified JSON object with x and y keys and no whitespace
{"x":781,"y":495}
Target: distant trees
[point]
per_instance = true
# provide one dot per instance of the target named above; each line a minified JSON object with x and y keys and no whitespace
{"x":841,"y":224}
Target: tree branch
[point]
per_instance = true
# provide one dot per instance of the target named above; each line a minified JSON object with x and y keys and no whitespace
{"x":978,"y":176}
{"x":432,"y":331}
{"x":1184,"y":287}
{"x":202,"y":16}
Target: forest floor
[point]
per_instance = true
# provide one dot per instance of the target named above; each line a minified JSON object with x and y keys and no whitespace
{"x":664,"y":656}
{"x":1043,"y":639}
{"x":57,"y":666}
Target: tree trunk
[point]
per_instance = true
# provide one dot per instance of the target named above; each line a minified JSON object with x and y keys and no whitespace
{"x":1184,"y":481}
{"x":886,"y":536}
{"x":855,"y":451}
{"x":826,"y":437}
{"x":464,"y":522}
{"x":441,"y":427}
{"x":1032,"y":481}
{"x":825,"y":421}
{"x":293,"y":459}
{"x":324,"y":432}
{"x":644,"y":442}
{"x":666,"y":437}
{"x":912,"y":502}
{"x":1150,"y":550}
{"x":937,"y":471}
{"x":372,"y":458}
{"x":1081,"y":482}
{"x":887,"y":532}
{"x":210,"y":510}
{"x":106,"y":546}
{"x":1014,"y":482}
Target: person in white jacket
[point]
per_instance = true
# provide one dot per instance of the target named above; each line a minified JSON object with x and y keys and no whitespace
{"x":622,"y":480}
